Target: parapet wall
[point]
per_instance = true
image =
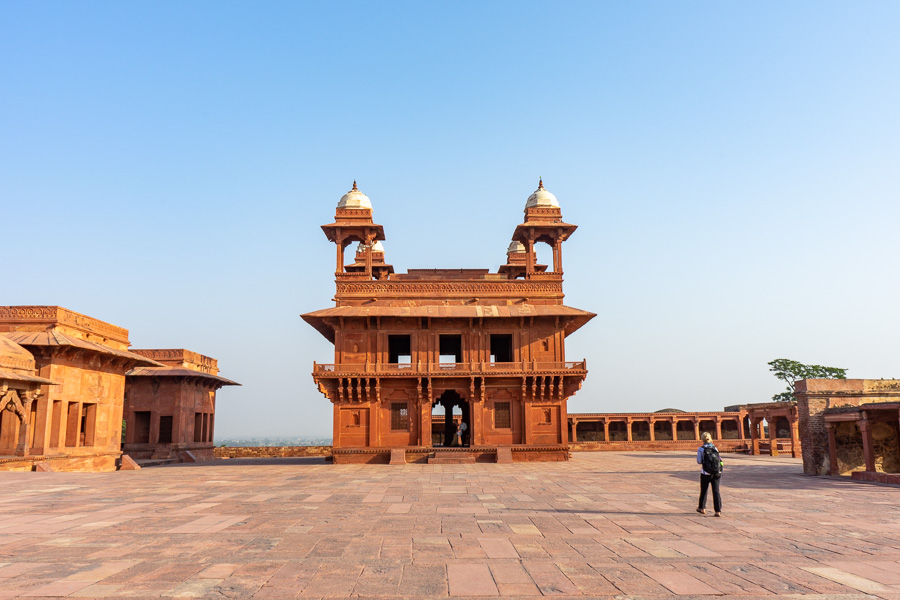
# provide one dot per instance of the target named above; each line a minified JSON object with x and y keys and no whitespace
{"x":271,"y":451}
{"x":784,"y":444}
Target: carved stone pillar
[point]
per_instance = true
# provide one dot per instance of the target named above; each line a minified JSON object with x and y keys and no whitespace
{"x":865,"y":428}
{"x":696,"y":429}
{"x":652,"y":427}
{"x":628,"y":423}
{"x":340,"y":255}
{"x":795,"y":437}
{"x":718,"y":428}
{"x":773,"y":435}
{"x":605,"y":430}
{"x":754,"y":436}
{"x":674,"y":429}
{"x":574,"y":430}
{"x":26,"y":398}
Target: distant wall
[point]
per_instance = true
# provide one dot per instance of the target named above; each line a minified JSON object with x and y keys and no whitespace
{"x":271,"y":451}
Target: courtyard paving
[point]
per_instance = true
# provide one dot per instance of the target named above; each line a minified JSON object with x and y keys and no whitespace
{"x":601,"y":525}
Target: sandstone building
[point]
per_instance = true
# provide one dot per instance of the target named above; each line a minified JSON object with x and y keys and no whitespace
{"x":418,"y":353}
{"x":170,"y":409}
{"x":850,"y":426}
{"x":74,"y":420}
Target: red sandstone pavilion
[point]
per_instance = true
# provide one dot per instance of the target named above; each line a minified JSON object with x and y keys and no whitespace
{"x":490,"y":346}
{"x":67,"y":382}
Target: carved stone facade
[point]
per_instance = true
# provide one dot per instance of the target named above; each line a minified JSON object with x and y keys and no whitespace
{"x":170,"y":410}
{"x":75,"y":422}
{"x":411,"y":349}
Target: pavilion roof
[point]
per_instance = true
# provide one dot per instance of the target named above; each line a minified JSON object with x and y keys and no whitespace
{"x":576,"y":317}
{"x":58,"y":339}
{"x":177,"y":372}
{"x":18,"y":376}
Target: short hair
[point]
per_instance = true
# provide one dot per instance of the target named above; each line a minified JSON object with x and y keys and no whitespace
{"x":706,"y":437}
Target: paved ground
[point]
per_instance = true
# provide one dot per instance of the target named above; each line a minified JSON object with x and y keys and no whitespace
{"x":603,"y":524}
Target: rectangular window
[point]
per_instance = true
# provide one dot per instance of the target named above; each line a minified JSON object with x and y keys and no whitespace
{"x":399,"y":349}
{"x":501,"y":347}
{"x":502,"y":415}
{"x":165,"y":430}
{"x":198,"y":427}
{"x":141,"y":427}
{"x":88,"y":424}
{"x":399,"y":416}
{"x":450,"y":348}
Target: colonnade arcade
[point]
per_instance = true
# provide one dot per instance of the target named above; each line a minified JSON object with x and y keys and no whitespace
{"x":633,"y":427}
{"x":759,"y":428}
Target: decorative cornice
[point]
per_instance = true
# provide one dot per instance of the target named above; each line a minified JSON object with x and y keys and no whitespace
{"x":512,"y":287}
{"x":206,"y":364}
{"x":62,"y":316}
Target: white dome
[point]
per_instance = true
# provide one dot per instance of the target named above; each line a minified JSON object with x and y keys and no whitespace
{"x":515,"y":248}
{"x":541,"y":197}
{"x":376,"y":247}
{"x":354,"y":199}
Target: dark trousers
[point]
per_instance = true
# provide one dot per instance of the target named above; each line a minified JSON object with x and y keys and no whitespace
{"x":705,"y":482}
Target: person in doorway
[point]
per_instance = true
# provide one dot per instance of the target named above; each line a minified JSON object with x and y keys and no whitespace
{"x":452,"y":434}
{"x":463,"y":434}
{"x":710,"y":474}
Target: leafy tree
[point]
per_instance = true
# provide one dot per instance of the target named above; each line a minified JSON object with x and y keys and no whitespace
{"x":790,"y":371}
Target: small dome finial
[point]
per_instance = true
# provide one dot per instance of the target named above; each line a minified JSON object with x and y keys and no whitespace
{"x":540,"y":183}
{"x":354,"y":186}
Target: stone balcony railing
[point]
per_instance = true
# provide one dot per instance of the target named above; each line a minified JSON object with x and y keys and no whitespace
{"x":450,"y":369}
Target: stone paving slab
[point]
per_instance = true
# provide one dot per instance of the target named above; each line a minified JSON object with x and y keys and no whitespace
{"x":602,"y":525}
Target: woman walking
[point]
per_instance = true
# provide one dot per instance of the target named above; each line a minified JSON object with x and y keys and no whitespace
{"x":710,"y":474}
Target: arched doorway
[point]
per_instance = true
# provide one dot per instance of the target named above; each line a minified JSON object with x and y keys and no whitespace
{"x":445,"y":421}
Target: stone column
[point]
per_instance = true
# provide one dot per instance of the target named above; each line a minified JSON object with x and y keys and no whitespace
{"x":574,"y":431}
{"x":529,"y":256}
{"x":696,"y":429}
{"x":741,"y":428}
{"x":865,"y":428}
{"x":476,"y":408}
{"x":652,"y":427}
{"x":832,"y":450}
{"x":340,"y":255}
{"x":22,"y":447}
{"x":628,"y":423}
{"x":674,"y":429}
{"x":773,"y":435}
{"x":795,"y":437}
{"x":718,"y":428}
{"x":605,"y":430}
{"x":754,"y":436}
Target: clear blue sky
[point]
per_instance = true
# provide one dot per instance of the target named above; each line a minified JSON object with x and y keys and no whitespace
{"x":734,"y":169}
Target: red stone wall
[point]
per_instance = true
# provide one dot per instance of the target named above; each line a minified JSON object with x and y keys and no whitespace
{"x":668,"y":445}
{"x":93,"y":463}
{"x":174,"y":396}
{"x":271,"y":451}
{"x":83,"y":378}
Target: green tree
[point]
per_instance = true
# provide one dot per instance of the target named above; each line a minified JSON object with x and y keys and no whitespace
{"x":790,"y":371}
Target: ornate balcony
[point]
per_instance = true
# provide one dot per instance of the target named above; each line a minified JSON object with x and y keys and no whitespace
{"x":477,"y":369}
